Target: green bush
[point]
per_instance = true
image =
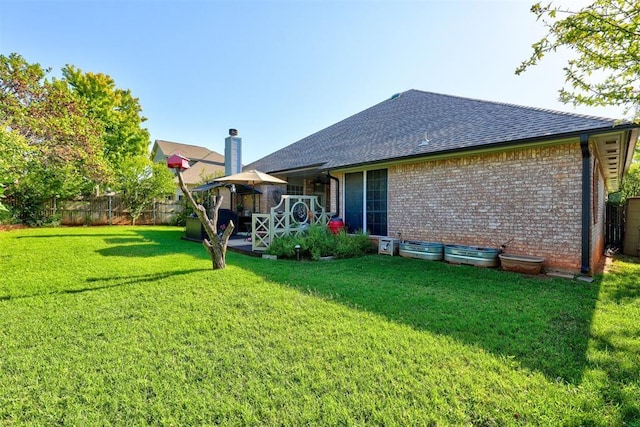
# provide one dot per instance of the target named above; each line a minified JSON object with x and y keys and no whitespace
{"x":347,"y":245}
{"x":180,"y":220}
{"x":318,"y":242}
{"x":285,"y":247}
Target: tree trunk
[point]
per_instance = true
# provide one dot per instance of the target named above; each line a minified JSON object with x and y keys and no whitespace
{"x":215,"y":245}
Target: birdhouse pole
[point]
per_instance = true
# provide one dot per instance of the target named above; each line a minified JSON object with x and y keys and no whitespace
{"x":215,"y":245}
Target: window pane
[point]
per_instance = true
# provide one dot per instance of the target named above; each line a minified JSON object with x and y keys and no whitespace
{"x":353,"y":201}
{"x":377,"y":202}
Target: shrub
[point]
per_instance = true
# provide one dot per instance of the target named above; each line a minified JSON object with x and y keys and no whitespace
{"x":180,"y":219}
{"x":318,"y":242}
{"x":352,"y":245}
{"x":285,"y":247}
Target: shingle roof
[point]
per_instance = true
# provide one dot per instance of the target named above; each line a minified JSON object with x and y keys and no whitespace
{"x":192,"y":152}
{"x":204,"y":162}
{"x":202,"y":169}
{"x":395,"y":128}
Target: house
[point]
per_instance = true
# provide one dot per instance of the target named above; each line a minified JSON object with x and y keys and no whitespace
{"x":204,"y":163}
{"x":433,"y":167}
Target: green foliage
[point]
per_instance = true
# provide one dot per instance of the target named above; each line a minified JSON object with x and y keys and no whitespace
{"x":15,"y":152}
{"x":139,"y":181}
{"x":605,"y":35}
{"x":53,"y":148}
{"x":180,"y":219}
{"x":319,"y":242}
{"x":3,"y":208}
{"x":62,"y":137}
{"x":630,"y":185}
{"x":349,"y":245}
{"x":52,"y":121}
{"x":130,"y":326}
{"x":116,"y":109}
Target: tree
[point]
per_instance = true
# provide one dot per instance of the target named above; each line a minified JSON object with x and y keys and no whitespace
{"x":64,"y":149}
{"x":606,"y":38}
{"x":140,"y":181}
{"x":216,"y":245}
{"x":3,"y":208}
{"x":77,"y":132}
{"x":631,"y":184}
{"x":14,"y":155}
{"x":117,"y":110}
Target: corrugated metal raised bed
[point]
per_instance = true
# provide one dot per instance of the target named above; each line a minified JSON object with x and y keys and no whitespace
{"x":471,"y":255}
{"x":432,"y":251}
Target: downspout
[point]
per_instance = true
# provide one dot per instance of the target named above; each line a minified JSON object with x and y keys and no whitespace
{"x":337,"y":192}
{"x":586,"y":204}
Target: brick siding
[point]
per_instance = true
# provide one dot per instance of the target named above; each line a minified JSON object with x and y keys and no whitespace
{"x":530,"y":198}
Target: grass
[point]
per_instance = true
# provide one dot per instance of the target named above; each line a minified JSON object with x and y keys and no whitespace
{"x":130,"y":326}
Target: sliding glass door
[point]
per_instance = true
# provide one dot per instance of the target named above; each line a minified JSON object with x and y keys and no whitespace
{"x":366,"y":201}
{"x":353,"y":201}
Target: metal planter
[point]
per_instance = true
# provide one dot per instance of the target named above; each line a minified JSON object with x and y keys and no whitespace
{"x":471,"y":255}
{"x":431,"y":251}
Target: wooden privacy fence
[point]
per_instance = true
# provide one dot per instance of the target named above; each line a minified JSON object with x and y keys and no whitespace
{"x":101,"y":211}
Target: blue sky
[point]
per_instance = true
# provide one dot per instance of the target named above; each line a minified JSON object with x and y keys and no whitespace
{"x":281,"y":70}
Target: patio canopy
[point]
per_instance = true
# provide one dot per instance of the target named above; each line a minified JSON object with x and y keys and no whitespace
{"x":240,"y":188}
{"x":253,"y":178}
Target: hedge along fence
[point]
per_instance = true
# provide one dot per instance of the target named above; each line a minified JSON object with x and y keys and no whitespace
{"x":96,"y":211}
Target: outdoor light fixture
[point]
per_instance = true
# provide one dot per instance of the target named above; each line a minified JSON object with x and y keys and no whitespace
{"x":297,"y":247}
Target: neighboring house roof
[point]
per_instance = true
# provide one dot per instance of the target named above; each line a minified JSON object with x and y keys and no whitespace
{"x":204,"y":162}
{"x":202,"y":170}
{"x":395,"y":129}
{"x":191,"y":152}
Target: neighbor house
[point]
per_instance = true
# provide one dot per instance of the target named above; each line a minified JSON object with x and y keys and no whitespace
{"x":204,"y":163}
{"x":433,"y":167}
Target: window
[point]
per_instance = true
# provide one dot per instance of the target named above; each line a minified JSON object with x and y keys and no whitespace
{"x":295,"y":187}
{"x":366,"y":201}
{"x":377,"y":202}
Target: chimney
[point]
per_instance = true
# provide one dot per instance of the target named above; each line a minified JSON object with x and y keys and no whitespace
{"x":232,"y":153}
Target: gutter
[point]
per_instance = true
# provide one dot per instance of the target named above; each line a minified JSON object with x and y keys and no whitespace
{"x":586,"y":204}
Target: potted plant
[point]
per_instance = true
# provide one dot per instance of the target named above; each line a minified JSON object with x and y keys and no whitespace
{"x":239,"y":207}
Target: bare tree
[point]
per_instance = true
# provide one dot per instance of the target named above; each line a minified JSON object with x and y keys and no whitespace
{"x":216,"y":245}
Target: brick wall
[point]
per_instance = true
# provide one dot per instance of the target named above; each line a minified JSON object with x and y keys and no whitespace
{"x":529,"y":197}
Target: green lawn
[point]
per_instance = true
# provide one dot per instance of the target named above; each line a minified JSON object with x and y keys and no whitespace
{"x":130,"y":326}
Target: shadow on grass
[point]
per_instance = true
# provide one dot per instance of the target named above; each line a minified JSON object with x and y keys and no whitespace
{"x":49,"y":236}
{"x":141,"y":250}
{"x":114,"y":282}
{"x":133,"y":280}
{"x":148,"y":243}
{"x":541,"y":323}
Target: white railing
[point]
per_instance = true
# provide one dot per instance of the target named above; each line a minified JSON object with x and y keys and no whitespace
{"x":293,"y":215}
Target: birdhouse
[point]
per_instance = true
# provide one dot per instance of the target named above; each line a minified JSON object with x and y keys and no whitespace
{"x":176,"y":161}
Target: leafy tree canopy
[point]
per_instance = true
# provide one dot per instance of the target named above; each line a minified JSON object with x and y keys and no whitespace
{"x":48,"y":128}
{"x":116,"y":109}
{"x":605,"y":36}
{"x":62,"y":137}
{"x":631,"y":184}
{"x":139,"y":181}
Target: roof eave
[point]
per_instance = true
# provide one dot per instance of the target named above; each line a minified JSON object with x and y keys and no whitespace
{"x":496,"y":146}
